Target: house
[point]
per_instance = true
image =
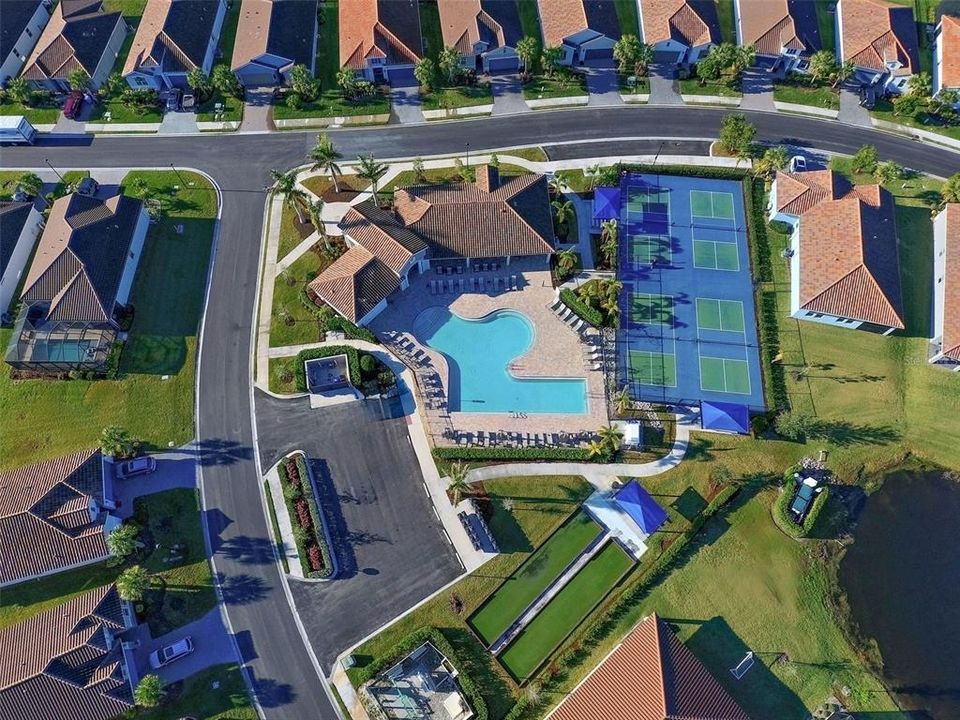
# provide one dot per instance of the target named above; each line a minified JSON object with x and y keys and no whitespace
{"x":486,"y":33}
{"x":651,"y":675}
{"x":782,"y":30}
{"x":880,"y":39}
{"x":946,"y":55}
{"x":945,"y":345}
{"x":586,"y":30}
{"x":80,"y":35}
{"x":69,"y":662}
{"x":80,"y":278}
{"x":491,"y":218}
{"x":380,"y":39}
{"x":844,"y":262}
{"x":173,"y":38}
{"x":54,"y":515}
{"x":23,"y":22}
{"x":20,"y":223}
{"x":680,"y":31}
{"x":272,"y":37}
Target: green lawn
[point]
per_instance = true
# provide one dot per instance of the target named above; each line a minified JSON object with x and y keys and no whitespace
{"x":132,"y":12}
{"x":534,"y":154}
{"x":801,"y":92}
{"x":565,"y":611}
{"x":727,"y":21}
{"x":305,"y":327}
{"x":36,"y":115}
{"x":627,"y":16}
{"x":319,"y":184}
{"x":883,"y":110}
{"x":119,"y":113}
{"x":199,"y":698}
{"x":457,"y":97}
{"x":825,"y":21}
{"x":289,"y":234}
{"x":328,"y":45}
{"x":232,"y":108}
{"x":332,"y":104}
{"x":530,"y":20}
{"x":721,"y":88}
{"x":563,"y":85}
{"x":522,"y":587}
{"x":228,"y":33}
{"x":641,"y":85}
{"x":47,"y":418}
{"x":283,"y":375}
{"x":430,"y":29}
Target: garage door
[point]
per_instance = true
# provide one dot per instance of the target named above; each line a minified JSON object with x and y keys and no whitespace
{"x":255,"y":77}
{"x":402,"y":77}
{"x":502,"y":65}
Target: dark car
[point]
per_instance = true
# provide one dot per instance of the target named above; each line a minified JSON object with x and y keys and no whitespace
{"x":137,"y":466}
{"x":804,"y":498}
{"x":71,"y":108}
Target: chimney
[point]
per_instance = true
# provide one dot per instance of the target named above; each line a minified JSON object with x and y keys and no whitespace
{"x":488,"y":178}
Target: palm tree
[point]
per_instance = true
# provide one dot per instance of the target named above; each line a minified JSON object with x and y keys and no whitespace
{"x":623,"y":401}
{"x":315,"y":209}
{"x":610,"y":306}
{"x":643,"y":60}
{"x":556,"y":185}
{"x":371,"y":170}
{"x":567,"y":260}
{"x":325,"y":156}
{"x":563,"y":214}
{"x":30,"y":184}
{"x":458,"y":480}
{"x":596,"y":449}
{"x":610,"y":289}
{"x":843,"y":73}
{"x":610,"y":436}
{"x":823,"y":64}
{"x":133,"y":583}
{"x":285,"y":185}
{"x":950,"y":192}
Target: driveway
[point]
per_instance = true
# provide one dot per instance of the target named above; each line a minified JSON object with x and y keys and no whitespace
{"x":507,"y":95}
{"x":175,"y":469}
{"x":256,"y":110}
{"x":211,"y":646}
{"x":850,"y":109}
{"x":405,"y":105}
{"x":604,"y":87}
{"x":179,"y":122}
{"x":663,"y":89}
{"x":757,"y":89}
{"x":390,"y":546}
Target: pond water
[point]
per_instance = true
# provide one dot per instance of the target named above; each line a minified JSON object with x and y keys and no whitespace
{"x":902,"y":579}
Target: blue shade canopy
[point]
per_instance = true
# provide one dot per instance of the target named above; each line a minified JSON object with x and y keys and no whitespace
{"x":637,"y":503}
{"x":729,"y":417}
{"x":606,"y":203}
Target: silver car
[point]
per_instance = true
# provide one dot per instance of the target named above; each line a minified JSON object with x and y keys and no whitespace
{"x":171,"y":653}
{"x":138,"y":466}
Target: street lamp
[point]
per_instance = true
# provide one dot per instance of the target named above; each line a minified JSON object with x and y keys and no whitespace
{"x":468,"y":154}
{"x":62,"y":179}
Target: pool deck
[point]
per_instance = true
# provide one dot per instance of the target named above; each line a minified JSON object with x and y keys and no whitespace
{"x":557,"y":351}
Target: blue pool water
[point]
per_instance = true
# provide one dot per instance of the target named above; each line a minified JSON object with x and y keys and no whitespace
{"x":479,"y":353}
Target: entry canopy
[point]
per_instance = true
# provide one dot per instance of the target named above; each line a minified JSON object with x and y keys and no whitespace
{"x":634,"y":500}
{"x":727,"y":417}
{"x":606,"y":203}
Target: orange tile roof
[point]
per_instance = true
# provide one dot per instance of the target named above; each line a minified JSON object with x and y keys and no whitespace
{"x":951,"y":311}
{"x":651,"y":675}
{"x":384,"y":29}
{"x":950,"y":43}
{"x":560,"y":19}
{"x":75,"y":38}
{"x":461,"y":21}
{"x":876,"y":32}
{"x":174,"y":38}
{"x":769,"y":26}
{"x":677,"y":20}
{"x":355,"y":283}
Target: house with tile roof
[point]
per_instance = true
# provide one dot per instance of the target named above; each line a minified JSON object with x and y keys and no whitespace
{"x":20,"y":224}
{"x":946,"y":55}
{"x":80,"y":277}
{"x":485,"y":32}
{"x":492,"y":218}
{"x":586,"y":30}
{"x":380,"y":39}
{"x":880,"y":39}
{"x":80,"y":35}
{"x":69,"y":662}
{"x":844,"y":261}
{"x":54,"y":515}
{"x":651,"y":675}
{"x":23,"y":23}
{"x":782,"y":30}
{"x":680,"y":31}
{"x":945,"y":344}
{"x":173,"y":38}
{"x":272,"y":37}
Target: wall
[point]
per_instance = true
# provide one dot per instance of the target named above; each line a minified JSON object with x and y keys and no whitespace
{"x":19,"y":258}
{"x":215,"y":38}
{"x":939,"y":273}
{"x":24,"y":46}
{"x":136,"y":249}
{"x":110,"y":53}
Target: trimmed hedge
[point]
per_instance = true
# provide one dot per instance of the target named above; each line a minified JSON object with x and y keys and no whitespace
{"x":412,"y":642}
{"x":781,"y":508}
{"x":584,"y":311}
{"x":754,"y":194}
{"x":318,"y":534}
{"x":574,"y":454}
{"x":715,"y":173}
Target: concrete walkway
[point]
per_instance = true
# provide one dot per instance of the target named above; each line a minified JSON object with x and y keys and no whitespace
{"x":662,"y":88}
{"x":584,"y":210}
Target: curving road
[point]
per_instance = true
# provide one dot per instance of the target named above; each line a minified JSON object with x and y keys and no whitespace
{"x":280,"y":666}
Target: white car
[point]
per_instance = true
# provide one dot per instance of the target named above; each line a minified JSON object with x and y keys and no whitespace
{"x":798,"y":163}
{"x":171,"y":653}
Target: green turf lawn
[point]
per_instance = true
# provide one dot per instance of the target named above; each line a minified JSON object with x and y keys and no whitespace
{"x":305,"y":327}
{"x":727,"y":21}
{"x":801,"y":92}
{"x":319,"y":184}
{"x":232,"y":108}
{"x":332,"y":104}
{"x":722,"y":88}
{"x":198,"y":698}
{"x":47,"y":418}
{"x":565,"y":611}
{"x":431,"y":29}
{"x":530,"y":20}
{"x":540,"y":87}
{"x":627,"y":16}
{"x":328,"y":45}
{"x":119,"y":113}
{"x":457,"y":97}
{"x":533,"y":577}
{"x":825,"y":21}
{"x":132,"y":12}
{"x":883,"y":110}
{"x":289,"y":235}
{"x":36,"y":115}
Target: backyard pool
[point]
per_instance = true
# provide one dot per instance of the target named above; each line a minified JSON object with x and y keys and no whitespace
{"x":479,"y":355}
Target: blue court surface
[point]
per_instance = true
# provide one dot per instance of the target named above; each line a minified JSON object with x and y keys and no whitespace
{"x":688,"y":324}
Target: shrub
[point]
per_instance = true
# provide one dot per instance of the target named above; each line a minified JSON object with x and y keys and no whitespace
{"x":149,"y":691}
{"x":793,"y":425}
{"x":368,"y":365}
{"x":584,"y":311}
{"x":315,"y":556}
{"x":308,"y":531}
{"x":779,"y":226}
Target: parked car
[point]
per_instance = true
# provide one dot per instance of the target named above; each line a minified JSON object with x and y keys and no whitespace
{"x":71,"y":108}
{"x":173,"y":100}
{"x":171,"y":653}
{"x":798,"y":163}
{"x":809,"y":487}
{"x":137,"y":466}
{"x":87,"y":186}
{"x":189,"y":101}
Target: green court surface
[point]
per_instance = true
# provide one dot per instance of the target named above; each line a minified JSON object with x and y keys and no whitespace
{"x":653,"y":368}
{"x":644,"y":249}
{"x":724,"y":375}
{"x":724,"y":315}
{"x":640,"y":199}
{"x":530,"y":579}
{"x":713,"y":255}
{"x":651,"y":309}
{"x":711,"y":204}
{"x":562,"y":614}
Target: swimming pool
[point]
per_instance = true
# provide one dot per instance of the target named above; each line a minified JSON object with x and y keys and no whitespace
{"x":479,"y":353}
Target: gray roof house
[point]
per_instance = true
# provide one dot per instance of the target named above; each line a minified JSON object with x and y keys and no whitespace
{"x":20,"y":223}
{"x":272,"y":37}
{"x":23,"y":22}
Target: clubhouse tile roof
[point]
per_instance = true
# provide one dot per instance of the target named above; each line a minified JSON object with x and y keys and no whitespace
{"x":774,"y":25}
{"x":355,"y":283}
{"x":45,"y":520}
{"x":562,"y":18}
{"x":75,"y":38}
{"x":64,"y":662}
{"x":951,"y":313}
{"x":388,"y":30}
{"x":690,"y":22}
{"x":173,"y":35}
{"x":283,"y":28}
{"x":950,"y":43}
{"x":876,"y":32}
{"x":651,"y":675}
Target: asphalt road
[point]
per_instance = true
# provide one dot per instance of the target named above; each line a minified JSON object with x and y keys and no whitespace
{"x":280,"y":667}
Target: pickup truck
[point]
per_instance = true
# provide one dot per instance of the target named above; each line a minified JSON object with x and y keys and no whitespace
{"x":16,"y":130}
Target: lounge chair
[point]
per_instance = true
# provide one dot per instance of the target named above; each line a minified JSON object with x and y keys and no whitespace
{"x":513,"y":282}
{"x":461,"y":285}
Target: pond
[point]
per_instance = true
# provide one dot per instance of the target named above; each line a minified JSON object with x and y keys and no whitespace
{"x":902,"y":579}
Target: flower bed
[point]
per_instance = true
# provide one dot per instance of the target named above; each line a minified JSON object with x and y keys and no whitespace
{"x":308,"y":527}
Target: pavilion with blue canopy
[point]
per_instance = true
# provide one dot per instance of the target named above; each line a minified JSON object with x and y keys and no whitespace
{"x":636,"y":502}
{"x":606,"y":204}
{"x":725,"y":417}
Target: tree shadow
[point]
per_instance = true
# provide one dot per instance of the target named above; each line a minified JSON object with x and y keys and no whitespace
{"x":272,"y":694}
{"x":245,"y":646}
{"x":689,"y":504}
{"x":217,"y":521}
{"x":479,"y":665}
{"x":242,"y":589}
{"x":331,"y":506}
{"x":506,"y":530}
{"x":222,"y":452}
{"x":248,"y":550}
{"x":844,"y":432}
